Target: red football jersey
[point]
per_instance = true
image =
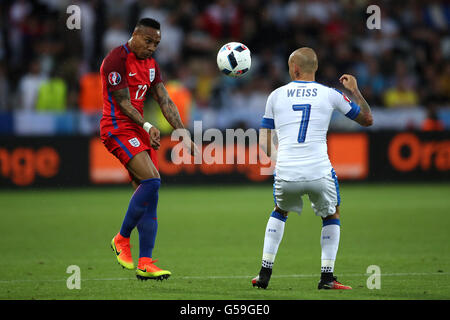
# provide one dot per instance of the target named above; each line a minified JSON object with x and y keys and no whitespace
{"x":121,"y":69}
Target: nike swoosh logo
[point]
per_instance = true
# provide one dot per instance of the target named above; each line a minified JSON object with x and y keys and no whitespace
{"x":131,"y":74}
{"x":117,"y":252}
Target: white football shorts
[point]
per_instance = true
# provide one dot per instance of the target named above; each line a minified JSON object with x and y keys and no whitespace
{"x":323,"y":194}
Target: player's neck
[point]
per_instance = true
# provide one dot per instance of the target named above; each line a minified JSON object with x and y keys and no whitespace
{"x":130,"y":44}
{"x":305,"y":77}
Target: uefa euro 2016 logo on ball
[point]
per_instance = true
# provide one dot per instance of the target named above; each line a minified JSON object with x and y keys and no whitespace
{"x":234,"y":59}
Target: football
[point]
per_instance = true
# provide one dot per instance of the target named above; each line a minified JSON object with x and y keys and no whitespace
{"x":234,"y":59}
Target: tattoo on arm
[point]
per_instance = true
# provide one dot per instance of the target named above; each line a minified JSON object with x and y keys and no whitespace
{"x":365,"y":117}
{"x":361,"y":101}
{"x":168,"y":108}
{"x":122,"y":97}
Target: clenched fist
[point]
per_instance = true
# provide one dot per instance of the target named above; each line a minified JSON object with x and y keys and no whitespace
{"x":349,"y":82}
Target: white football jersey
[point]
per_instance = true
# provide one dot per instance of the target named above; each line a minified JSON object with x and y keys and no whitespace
{"x":300,"y":112}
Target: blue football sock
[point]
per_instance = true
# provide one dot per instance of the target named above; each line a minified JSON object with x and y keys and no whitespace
{"x":145,"y":198}
{"x":147,"y":228}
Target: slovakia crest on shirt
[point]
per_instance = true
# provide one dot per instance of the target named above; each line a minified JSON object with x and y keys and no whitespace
{"x":152,"y":74}
{"x":114,"y":78}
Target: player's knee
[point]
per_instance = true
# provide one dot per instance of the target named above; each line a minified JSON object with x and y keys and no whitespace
{"x":155,"y":174}
{"x":142,"y":168}
{"x":148,"y":172}
{"x":151,"y":173}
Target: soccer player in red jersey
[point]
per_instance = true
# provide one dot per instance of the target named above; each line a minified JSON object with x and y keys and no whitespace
{"x":128,"y":73}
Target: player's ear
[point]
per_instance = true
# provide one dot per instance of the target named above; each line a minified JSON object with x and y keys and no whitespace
{"x":297,"y":70}
{"x":135,"y":32}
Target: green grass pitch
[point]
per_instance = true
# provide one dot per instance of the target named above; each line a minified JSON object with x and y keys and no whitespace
{"x":211,"y":239}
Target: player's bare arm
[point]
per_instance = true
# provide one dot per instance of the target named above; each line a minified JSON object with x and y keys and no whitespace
{"x":168,"y":108}
{"x":267,"y":142}
{"x":365,"y":116}
{"x":122,"y":97}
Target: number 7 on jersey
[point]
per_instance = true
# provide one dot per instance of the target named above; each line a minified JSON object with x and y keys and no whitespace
{"x":306,"y":109}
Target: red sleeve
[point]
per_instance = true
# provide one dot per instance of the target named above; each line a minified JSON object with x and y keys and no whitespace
{"x":114,"y":69}
{"x":158,"y":77}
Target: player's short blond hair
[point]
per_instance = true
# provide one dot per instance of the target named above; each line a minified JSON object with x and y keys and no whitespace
{"x":306,"y":59}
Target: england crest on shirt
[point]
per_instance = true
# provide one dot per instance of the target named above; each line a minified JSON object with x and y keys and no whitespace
{"x":134,"y":142}
{"x":152,"y":74}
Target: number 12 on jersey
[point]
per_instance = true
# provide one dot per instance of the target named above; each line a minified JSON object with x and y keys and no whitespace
{"x":306,"y":109}
{"x":140,"y":92}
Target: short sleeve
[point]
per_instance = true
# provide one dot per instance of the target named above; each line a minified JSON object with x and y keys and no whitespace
{"x":114,"y":70}
{"x":158,"y":77}
{"x":268,"y":120}
{"x":343,"y":104}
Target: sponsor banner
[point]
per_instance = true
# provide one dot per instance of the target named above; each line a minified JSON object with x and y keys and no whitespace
{"x":349,"y":155}
{"x":79,"y":161}
{"x":53,"y":161}
{"x":409,"y":156}
{"x":230,"y":163}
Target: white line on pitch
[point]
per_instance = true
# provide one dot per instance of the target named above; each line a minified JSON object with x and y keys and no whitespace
{"x":242,"y":277}
{"x":316,"y":275}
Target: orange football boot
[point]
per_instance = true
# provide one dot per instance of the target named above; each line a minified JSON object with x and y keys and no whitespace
{"x":121,"y":247}
{"x":333,"y":285}
{"x":147,"y":270}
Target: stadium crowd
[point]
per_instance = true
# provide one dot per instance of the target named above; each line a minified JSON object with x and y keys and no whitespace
{"x":44,"y":66}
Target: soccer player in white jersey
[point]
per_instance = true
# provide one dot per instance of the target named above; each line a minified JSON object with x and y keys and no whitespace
{"x":299,"y":112}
